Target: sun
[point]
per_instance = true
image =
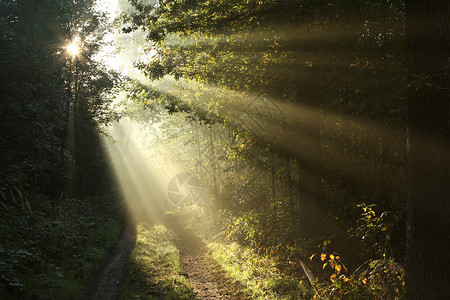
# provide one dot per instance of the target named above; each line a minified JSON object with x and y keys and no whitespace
{"x":73,"y":48}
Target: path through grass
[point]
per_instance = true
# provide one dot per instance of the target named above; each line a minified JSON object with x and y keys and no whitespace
{"x":154,"y":269}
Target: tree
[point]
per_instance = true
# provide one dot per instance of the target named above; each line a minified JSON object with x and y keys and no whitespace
{"x":428,"y":42}
{"x":312,"y":56}
{"x":38,"y":81}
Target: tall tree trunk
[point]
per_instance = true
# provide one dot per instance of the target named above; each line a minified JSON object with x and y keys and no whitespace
{"x":213,"y":164}
{"x":290,"y":182}
{"x":310,"y":201}
{"x":309,"y":156}
{"x":428,"y":149}
{"x":272,"y":177}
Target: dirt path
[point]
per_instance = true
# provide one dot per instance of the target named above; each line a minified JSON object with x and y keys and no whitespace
{"x":107,"y":284}
{"x":205,"y":276}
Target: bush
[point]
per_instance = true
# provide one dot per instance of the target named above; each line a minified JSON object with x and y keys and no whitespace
{"x":53,"y":245}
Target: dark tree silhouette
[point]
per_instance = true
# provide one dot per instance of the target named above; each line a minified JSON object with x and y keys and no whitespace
{"x":428,"y":42}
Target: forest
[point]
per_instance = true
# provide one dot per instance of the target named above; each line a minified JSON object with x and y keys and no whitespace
{"x":224,"y":149}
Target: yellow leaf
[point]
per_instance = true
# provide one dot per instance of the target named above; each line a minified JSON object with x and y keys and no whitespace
{"x":312,"y":256}
{"x":346,"y":279}
{"x":338,"y":268}
{"x":324,"y":265}
{"x":323,"y":256}
{"x":364,"y":280}
{"x":331,"y":256}
{"x":338,"y":257}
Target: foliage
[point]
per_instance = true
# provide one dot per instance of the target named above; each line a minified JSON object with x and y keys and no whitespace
{"x":380,"y":277}
{"x":51,"y":106}
{"x":304,"y":107}
{"x":318,"y":64}
{"x":259,"y":273}
{"x":39,"y":80}
{"x":49,"y":251}
{"x":376,"y":279}
{"x":263,"y":274}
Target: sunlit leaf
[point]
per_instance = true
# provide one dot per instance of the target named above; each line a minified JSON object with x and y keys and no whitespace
{"x":323,"y":257}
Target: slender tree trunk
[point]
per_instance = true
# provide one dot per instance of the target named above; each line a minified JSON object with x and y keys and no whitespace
{"x":213,"y":164}
{"x":428,"y":149}
{"x":311,"y":201}
{"x":272,"y":174}
{"x":290,"y":181}
{"x":272,"y":177}
{"x":309,"y":157}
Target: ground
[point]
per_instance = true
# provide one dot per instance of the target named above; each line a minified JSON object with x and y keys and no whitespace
{"x":106,"y":283}
{"x":205,"y":276}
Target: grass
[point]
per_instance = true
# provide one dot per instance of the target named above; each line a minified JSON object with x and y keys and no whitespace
{"x":154,"y":267}
{"x":259,"y":274}
{"x":51,"y":250}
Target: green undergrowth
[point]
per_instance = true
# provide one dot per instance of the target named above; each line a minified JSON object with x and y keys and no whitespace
{"x":288,"y":271}
{"x":154,"y":267}
{"x":260,"y":274}
{"x":50,"y":248}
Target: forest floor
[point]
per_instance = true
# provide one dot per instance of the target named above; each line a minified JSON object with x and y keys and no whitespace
{"x":106,"y":283}
{"x":205,"y":278}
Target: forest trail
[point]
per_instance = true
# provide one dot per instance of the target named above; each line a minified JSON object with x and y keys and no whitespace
{"x":107,"y":283}
{"x":205,"y":276}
